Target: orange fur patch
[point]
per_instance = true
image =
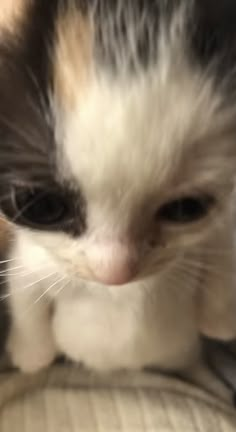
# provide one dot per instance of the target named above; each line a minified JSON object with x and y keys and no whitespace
{"x":10,"y":12}
{"x":73,"y":55}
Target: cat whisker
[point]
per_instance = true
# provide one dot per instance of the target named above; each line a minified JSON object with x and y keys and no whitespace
{"x":41,"y":107}
{"x":11,"y":275}
{"x":39,"y":280}
{"x":9,"y":260}
{"x":32,"y":305}
{"x":23,"y":209}
{"x":42,"y":296}
{"x":49,"y":289}
{"x":9,"y":271}
{"x":5,"y":296}
{"x":24,"y":288}
{"x":190,"y":266}
{"x":200,"y":265}
{"x":14,"y":275}
{"x":6,"y":271}
{"x":62,"y":288}
{"x":28,"y":138}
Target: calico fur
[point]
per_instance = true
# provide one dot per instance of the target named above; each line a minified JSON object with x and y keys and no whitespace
{"x":120,"y":107}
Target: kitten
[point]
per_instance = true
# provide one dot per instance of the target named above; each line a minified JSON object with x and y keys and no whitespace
{"x":117,"y":165}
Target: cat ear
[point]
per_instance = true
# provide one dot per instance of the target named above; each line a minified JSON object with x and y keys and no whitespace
{"x":214,"y":31}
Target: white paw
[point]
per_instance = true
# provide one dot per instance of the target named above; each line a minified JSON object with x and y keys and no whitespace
{"x":30,"y":356}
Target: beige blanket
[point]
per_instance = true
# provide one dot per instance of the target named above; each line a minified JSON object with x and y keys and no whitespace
{"x":65,"y":399}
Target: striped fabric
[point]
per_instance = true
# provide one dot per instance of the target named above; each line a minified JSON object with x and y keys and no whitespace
{"x":66,"y":400}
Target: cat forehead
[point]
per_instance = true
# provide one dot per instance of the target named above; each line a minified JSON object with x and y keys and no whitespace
{"x":117,"y":39}
{"x":126,"y":119}
{"x":137,"y":131}
{"x":116,"y":80}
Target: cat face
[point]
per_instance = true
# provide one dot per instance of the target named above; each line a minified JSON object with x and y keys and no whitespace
{"x":117,"y":132}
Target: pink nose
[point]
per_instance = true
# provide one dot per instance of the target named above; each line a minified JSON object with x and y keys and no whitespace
{"x":112,"y":264}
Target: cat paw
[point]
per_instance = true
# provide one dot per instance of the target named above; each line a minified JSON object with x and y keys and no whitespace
{"x":30,"y":356}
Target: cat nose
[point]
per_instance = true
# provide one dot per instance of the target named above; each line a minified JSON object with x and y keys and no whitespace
{"x":113,"y":264}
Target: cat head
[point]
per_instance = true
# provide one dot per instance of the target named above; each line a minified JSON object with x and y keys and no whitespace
{"x":117,"y":130}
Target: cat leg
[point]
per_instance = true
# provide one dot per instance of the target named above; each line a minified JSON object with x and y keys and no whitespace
{"x":30,"y":345}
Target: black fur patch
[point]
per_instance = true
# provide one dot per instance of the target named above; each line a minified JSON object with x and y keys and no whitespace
{"x":213,"y":33}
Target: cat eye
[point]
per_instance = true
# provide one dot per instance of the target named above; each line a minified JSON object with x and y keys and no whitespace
{"x":185,"y":210}
{"x":40,"y":208}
